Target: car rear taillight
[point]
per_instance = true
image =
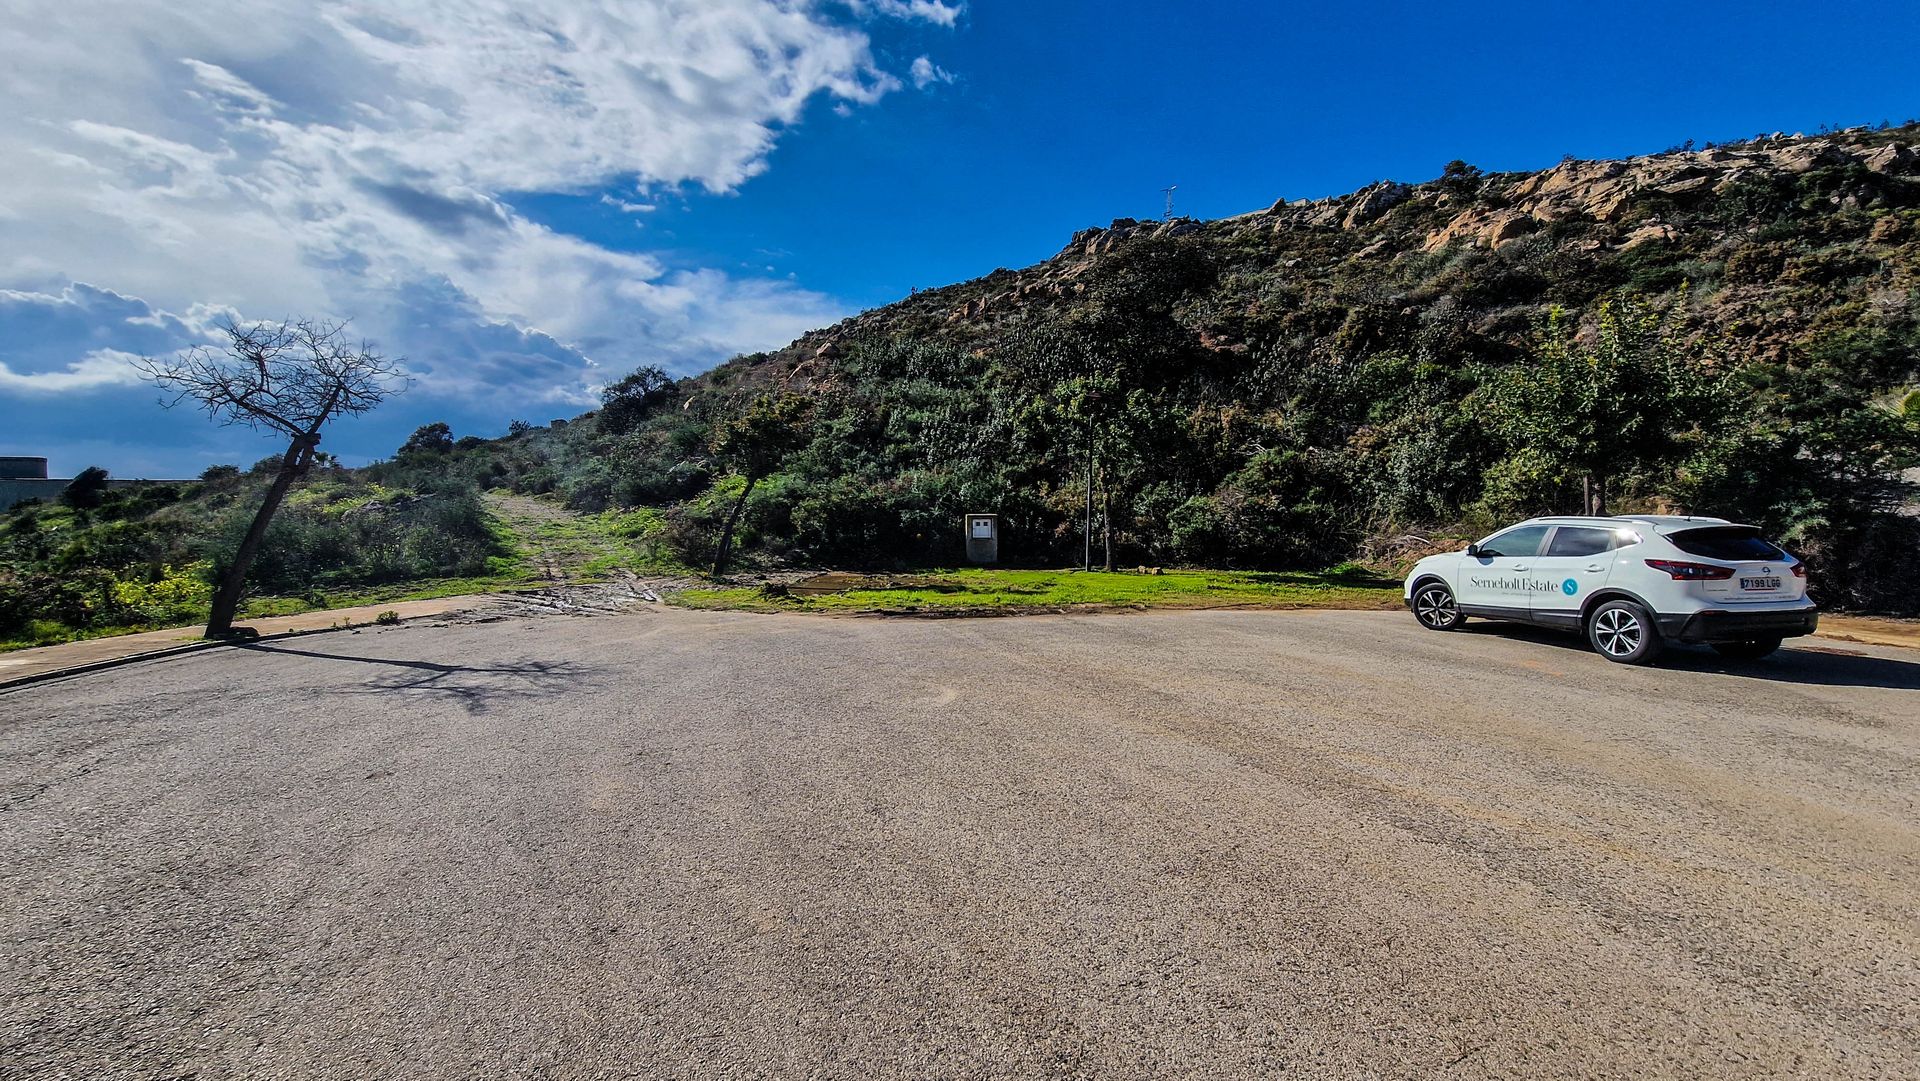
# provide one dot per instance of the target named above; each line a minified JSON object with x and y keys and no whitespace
{"x":1799,"y":570}
{"x":1691,"y":572}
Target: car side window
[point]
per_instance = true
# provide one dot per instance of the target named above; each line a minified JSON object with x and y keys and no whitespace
{"x":1578,"y":540}
{"x":1518,"y":541}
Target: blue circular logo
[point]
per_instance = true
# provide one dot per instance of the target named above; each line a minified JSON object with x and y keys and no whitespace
{"x":1570,"y":587}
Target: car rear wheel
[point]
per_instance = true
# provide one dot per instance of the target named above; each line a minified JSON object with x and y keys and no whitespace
{"x":1434,"y":607}
{"x":1623,"y":632}
{"x":1750,"y":650}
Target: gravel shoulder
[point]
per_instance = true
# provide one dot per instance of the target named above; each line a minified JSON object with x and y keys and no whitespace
{"x":1172,"y":844}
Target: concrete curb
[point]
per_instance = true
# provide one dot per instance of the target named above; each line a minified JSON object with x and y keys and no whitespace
{"x":16,"y":682}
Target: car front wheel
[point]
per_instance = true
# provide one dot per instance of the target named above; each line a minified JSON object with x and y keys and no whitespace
{"x":1623,"y":632}
{"x":1434,"y":607}
{"x":1751,"y":650}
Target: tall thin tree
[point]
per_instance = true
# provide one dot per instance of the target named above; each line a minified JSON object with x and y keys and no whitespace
{"x":755,"y":443}
{"x":290,"y":377}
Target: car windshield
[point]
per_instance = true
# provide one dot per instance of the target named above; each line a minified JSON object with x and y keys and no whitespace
{"x":1732,"y":543}
{"x":1519,"y":541}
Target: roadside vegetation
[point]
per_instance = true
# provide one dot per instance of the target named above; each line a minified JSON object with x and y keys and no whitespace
{"x":976,"y":590}
{"x":151,"y":557}
{"x":1290,"y":398}
{"x":1260,"y":398}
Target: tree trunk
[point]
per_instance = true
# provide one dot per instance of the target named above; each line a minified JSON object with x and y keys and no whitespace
{"x":1595,"y":487}
{"x":1106,"y":519}
{"x":1086,"y":532}
{"x":226,"y":600}
{"x":726,"y":535}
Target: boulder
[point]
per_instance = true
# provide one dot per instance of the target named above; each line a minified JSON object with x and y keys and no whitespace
{"x":1375,"y":201}
{"x":1323,"y":215}
{"x":1892,"y":158}
{"x":1686,"y":186}
{"x":1647,"y":233}
{"x":1805,"y":157}
{"x":1510,"y":227}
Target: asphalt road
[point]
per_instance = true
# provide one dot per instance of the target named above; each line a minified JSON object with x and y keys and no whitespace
{"x":1214,"y":844}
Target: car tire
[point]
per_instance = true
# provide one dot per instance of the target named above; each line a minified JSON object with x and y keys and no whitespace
{"x":1435,"y":608}
{"x":1750,"y":650}
{"x":1624,"y":632}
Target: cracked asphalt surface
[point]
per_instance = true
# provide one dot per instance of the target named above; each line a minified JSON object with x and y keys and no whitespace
{"x":1200,"y":844}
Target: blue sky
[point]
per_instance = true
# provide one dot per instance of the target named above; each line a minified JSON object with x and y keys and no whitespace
{"x":526,"y":201}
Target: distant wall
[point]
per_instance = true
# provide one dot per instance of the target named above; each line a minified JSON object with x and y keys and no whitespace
{"x":18,"y":490}
{"x":22,"y":467}
{"x":15,"y":491}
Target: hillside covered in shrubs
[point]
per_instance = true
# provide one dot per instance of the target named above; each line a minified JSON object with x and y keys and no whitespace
{"x":145,"y":557}
{"x":1728,"y":330}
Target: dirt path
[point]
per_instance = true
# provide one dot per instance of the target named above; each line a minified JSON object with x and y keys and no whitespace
{"x":577,"y":564}
{"x":1223,"y":844}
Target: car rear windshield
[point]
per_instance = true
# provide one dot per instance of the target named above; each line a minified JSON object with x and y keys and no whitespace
{"x":1732,"y":543}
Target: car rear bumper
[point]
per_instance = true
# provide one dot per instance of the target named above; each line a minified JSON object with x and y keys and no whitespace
{"x":1722,"y":625}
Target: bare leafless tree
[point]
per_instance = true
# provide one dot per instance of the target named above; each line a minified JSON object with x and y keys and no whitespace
{"x":290,"y":377}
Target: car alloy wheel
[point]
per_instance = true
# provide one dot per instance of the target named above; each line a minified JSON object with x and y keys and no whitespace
{"x":1624,"y":632}
{"x":1619,"y":632}
{"x":1433,"y":606}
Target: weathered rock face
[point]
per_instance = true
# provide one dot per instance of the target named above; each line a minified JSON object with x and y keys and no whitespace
{"x":1897,"y":160}
{"x":1375,"y":201}
{"x":1605,"y":191}
{"x":1606,"y":203}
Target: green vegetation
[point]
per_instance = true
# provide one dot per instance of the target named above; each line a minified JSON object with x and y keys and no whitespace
{"x":149,"y":557}
{"x":983,"y":590}
{"x":1284,"y":392}
{"x":1269,"y":394}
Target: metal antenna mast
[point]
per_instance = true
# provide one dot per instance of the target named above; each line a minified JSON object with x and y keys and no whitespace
{"x":1168,"y":192}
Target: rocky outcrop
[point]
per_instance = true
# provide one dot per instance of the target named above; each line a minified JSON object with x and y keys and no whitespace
{"x":1606,"y":191}
{"x":1375,"y":201}
{"x":1895,"y":159}
{"x":1386,"y":220}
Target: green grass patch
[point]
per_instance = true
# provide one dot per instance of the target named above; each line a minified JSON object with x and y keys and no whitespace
{"x":983,"y":590}
{"x":596,"y":545}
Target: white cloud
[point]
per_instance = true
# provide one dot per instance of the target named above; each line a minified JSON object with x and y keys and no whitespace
{"x":925,"y":73}
{"x":100,"y":368}
{"x":625,"y":207}
{"x":932,"y":11}
{"x":358,"y":158}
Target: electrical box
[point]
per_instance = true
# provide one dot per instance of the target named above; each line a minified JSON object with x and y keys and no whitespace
{"x":983,"y":538}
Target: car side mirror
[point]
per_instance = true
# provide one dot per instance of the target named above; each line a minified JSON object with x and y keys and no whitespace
{"x":1473,"y":551}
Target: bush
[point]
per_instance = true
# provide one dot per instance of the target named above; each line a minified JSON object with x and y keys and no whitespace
{"x":171,"y":596}
{"x":87,"y":490}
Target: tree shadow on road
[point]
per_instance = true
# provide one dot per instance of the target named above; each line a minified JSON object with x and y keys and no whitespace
{"x":1803,"y":661}
{"x":476,"y":687}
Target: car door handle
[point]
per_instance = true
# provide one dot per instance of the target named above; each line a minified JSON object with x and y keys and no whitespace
{"x":1519,"y":566}
{"x":1594,"y":568}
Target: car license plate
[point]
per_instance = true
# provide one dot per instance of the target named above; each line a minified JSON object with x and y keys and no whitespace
{"x":1759,"y":583}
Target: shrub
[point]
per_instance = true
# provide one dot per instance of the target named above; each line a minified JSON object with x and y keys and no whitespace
{"x":172,"y":596}
{"x":87,"y":490}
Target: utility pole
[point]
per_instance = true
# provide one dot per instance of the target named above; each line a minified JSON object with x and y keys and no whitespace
{"x":1168,"y":192}
{"x":1087,"y":533}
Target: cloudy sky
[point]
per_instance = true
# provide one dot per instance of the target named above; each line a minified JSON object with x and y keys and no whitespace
{"x":528,"y":200}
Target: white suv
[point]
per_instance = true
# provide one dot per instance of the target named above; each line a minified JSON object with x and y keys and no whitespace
{"x":1630,"y":583}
